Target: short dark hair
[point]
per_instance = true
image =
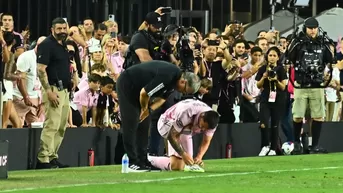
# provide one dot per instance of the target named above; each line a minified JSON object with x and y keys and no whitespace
{"x":58,"y":20}
{"x":211,"y":118}
{"x":239,"y":41}
{"x":87,"y":18}
{"x":125,"y":39}
{"x":257,"y":41}
{"x":256,"y":49}
{"x":258,"y":34}
{"x":100,"y":26}
{"x":107,"y":80}
{"x":5,"y":14}
{"x":94,"y":78}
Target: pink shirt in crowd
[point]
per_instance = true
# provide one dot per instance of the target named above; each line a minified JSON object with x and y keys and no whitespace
{"x":290,"y":86}
{"x":249,"y":85}
{"x":184,"y":113}
{"x":117,"y":61}
{"x":83,"y":84}
{"x":84,"y":97}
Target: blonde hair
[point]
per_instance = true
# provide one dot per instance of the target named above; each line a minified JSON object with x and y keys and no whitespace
{"x":109,"y":23}
{"x":104,"y":39}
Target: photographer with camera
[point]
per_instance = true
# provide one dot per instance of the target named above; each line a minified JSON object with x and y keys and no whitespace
{"x":145,"y":41}
{"x":272,"y":80}
{"x":309,"y":53}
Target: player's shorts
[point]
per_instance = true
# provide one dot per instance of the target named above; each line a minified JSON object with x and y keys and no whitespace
{"x":186,"y":140}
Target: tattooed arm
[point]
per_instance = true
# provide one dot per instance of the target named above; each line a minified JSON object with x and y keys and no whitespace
{"x":173,"y":138}
{"x":43,"y":77}
{"x":10,"y":69}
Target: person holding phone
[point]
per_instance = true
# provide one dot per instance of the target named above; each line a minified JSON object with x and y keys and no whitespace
{"x":272,"y":80}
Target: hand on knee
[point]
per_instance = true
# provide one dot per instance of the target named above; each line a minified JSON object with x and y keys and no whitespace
{"x":298,"y":120}
{"x":318,"y":119}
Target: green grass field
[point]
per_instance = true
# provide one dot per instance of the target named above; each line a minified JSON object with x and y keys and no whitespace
{"x":305,"y":174}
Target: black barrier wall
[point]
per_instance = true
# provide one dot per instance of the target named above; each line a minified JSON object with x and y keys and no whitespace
{"x":244,"y":138}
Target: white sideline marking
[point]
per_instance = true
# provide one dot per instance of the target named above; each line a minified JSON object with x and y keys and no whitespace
{"x":170,"y":179}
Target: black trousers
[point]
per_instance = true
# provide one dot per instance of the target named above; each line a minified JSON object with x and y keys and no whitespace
{"x":270,"y":133}
{"x":135,"y":134}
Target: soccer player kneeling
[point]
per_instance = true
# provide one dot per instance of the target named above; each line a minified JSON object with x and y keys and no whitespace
{"x":178,"y":124}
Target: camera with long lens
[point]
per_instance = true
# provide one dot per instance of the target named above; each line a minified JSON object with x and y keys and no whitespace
{"x":271,"y":72}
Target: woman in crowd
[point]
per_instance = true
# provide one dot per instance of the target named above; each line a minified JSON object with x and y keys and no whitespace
{"x":272,"y":80}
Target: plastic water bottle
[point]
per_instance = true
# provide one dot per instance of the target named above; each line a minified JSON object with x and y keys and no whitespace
{"x":125,"y":164}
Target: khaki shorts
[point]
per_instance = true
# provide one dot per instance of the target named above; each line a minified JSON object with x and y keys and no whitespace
{"x":309,"y":98}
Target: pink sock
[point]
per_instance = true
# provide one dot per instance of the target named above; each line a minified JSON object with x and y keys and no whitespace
{"x":160,"y":162}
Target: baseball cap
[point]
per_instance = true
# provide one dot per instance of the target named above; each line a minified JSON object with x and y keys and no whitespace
{"x":193,"y":81}
{"x":154,"y":19}
{"x":311,"y":23}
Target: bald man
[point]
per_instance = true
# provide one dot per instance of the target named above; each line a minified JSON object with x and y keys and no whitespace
{"x":26,"y":96}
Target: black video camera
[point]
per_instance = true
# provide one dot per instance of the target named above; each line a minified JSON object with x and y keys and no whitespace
{"x":185,"y":53}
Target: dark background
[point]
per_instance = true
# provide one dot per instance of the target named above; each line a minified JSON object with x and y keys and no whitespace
{"x":38,"y":14}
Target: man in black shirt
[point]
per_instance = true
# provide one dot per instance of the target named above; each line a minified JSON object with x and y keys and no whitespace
{"x":141,"y":89}
{"x":53,"y":67}
{"x":146,"y":41}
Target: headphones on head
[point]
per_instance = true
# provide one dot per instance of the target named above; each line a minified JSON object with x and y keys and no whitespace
{"x":304,"y":27}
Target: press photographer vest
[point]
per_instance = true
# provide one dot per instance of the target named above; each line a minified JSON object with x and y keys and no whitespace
{"x":131,"y":57}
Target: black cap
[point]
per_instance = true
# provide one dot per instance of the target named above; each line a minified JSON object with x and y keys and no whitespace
{"x":311,"y":23}
{"x":154,"y":19}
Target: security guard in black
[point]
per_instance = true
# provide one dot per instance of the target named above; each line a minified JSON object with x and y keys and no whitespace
{"x":56,"y":57}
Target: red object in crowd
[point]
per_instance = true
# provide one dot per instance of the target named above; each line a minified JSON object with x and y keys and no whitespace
{"x":91,"y":157}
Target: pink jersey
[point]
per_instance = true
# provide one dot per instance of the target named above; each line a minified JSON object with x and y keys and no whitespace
{"x":182,"y":114}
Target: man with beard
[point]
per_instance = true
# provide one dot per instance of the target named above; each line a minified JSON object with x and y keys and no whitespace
{"x":145,"y":41}
{"x":53,"y":67}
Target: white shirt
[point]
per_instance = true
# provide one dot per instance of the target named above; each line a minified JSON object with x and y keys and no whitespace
{"x":92,"y":42}
{"x":27,"y":62}
{"x":330,"y":93}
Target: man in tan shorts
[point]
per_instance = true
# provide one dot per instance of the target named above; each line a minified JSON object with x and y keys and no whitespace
{"x":303,"y":49}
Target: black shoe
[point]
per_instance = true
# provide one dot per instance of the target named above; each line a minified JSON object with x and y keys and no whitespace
{"x":317,"y":150}
{"x":136,"y":168}
{"x":56,"y":163}
{"x":152,"y":168}
{"x":298,"y":149}
{"x":42,"y":166}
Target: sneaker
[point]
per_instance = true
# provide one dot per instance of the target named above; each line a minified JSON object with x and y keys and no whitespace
{"x":133,"y":168}
{"x":42,"y":166}
{"x":317,"y":150}
{"x":58,"y":164}
{"x":298,"y":149}
{"x":264,"y":151}
{"x":193,"y":168}
{"x":271,"y":153}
